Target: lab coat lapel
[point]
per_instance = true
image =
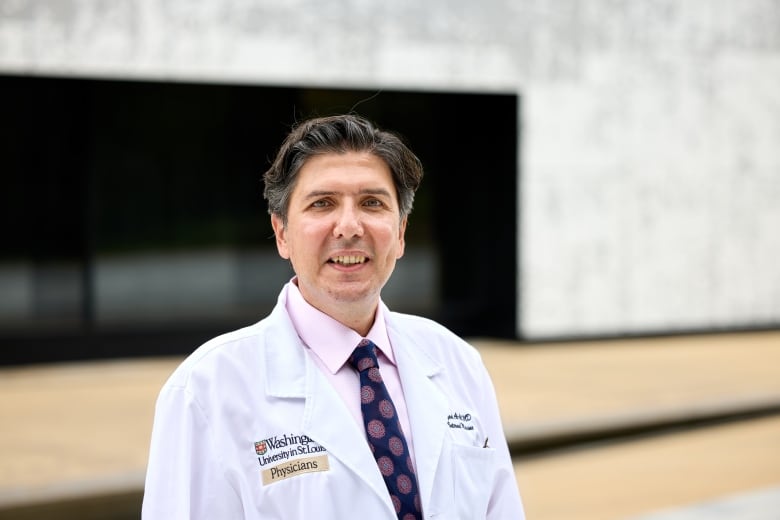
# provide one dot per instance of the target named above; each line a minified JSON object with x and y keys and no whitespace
{"x":426,"y":406}
{"x":291,"y":373}
{"x":285,"y":359}
{"x":328,"y":422}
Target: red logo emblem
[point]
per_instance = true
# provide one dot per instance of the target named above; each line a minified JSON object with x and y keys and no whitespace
{"x":261,"y":447}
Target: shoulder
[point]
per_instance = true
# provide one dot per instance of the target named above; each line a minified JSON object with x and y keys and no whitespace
{"x":438,"y":353}
{"x":431,"y":337}
{"x":238,"y":351}
{"x":421,"y":326}
{"x":223,"y":356}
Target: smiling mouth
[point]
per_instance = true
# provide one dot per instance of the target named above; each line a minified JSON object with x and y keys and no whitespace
{"x":348,"y":260}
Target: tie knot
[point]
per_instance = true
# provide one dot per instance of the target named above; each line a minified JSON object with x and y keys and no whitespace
{"x":364,"y":356}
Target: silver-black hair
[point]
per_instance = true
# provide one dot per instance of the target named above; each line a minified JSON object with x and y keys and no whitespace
{"x":340,"y":134}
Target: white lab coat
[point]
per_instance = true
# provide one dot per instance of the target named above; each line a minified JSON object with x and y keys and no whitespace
{"x":259,"y":385}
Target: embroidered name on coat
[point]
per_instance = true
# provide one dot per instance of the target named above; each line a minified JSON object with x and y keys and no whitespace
{"x":460,"y":421}
{"x":285,"y":447}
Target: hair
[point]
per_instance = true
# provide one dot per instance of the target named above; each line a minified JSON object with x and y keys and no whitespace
{"x":340,"y":134}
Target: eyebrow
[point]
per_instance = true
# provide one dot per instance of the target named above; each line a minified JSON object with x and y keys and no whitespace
{"x":367,"y":191}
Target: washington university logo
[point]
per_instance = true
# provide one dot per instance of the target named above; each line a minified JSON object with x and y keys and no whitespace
{"x":261,"y":447}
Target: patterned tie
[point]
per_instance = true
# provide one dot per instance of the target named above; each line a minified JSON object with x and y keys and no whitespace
{"x":385,"y":437}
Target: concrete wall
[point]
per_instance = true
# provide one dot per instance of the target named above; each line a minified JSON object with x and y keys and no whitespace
{"x":650,"y":142}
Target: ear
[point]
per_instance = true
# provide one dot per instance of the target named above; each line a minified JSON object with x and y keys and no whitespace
{"x":279,"y":232}
{"x":401,"y":240}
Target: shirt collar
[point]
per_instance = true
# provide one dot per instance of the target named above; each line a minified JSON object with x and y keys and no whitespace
{"x":329,"y":339}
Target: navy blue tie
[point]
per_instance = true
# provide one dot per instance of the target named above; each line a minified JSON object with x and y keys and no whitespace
{"x":385,"y":437}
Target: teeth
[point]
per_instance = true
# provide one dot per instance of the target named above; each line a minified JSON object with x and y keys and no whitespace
{"x":349,"y":260}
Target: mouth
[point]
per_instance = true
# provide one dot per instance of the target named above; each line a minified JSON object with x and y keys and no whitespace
{"x":348,"y":260}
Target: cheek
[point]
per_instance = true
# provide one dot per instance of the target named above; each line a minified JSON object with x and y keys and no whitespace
{"x":395,"y":244}
{"x":308,"y":238}
{"x":311,"y":233}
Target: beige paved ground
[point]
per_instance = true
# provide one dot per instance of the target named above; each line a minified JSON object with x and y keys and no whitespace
{"x":566,"y":385}
{"x":63,"y":424}
{"x":621,"y":480}
{"x":76,"y":428}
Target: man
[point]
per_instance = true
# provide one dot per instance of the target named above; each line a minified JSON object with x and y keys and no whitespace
{"x":333,"y":407}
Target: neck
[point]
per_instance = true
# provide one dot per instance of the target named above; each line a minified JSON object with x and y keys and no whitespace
{"x":355,"y":317}
{"x":358,"y":314}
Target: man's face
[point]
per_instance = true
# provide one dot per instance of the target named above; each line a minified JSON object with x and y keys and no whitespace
{"x":343,"y":232}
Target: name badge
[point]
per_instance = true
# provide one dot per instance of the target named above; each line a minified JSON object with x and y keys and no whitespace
{"x":294,"y":468}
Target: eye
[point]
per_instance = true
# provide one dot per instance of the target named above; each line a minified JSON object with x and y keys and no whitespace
{"x":373,"y":203}
{"x":321,"y":203}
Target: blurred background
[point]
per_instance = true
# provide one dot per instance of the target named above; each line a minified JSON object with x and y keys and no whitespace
{"x":599,"y":216}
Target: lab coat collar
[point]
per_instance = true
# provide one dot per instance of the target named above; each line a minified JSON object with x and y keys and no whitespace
{"x":285,"y":359}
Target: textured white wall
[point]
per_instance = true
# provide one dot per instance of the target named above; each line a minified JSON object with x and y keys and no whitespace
{"x":650,"y":152}
{"x":650,"y":194}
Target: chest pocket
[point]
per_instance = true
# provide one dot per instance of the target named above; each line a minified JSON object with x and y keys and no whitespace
{"x":472,"y":480}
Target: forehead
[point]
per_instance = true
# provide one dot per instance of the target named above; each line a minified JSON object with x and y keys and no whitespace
{"x":344,"y":172}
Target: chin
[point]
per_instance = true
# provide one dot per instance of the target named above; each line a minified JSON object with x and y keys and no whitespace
{"x":353,"y":294}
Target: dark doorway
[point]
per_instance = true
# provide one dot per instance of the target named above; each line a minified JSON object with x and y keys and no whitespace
{"x":113,"y":186}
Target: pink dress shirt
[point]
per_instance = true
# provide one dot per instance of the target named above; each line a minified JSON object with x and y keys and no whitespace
{"x":330,"y":343}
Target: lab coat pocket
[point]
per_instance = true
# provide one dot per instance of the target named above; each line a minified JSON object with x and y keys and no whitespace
{"x":473,"y":478}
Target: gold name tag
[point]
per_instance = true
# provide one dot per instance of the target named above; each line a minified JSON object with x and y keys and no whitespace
{"x":294,"y":468}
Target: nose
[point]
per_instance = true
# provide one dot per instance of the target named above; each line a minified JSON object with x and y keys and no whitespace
{"x":347,"y":223}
